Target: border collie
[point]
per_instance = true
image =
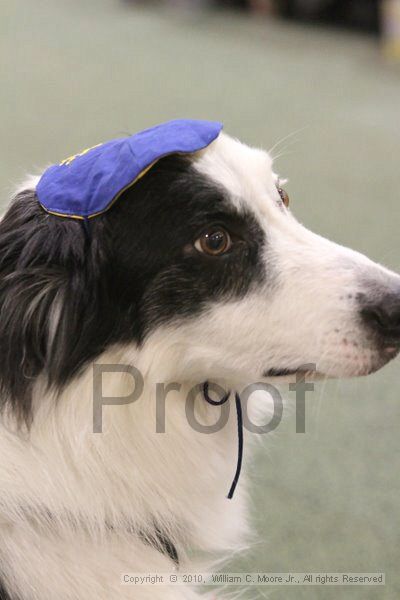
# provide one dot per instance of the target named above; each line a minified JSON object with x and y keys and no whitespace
{"x":199,"y":273}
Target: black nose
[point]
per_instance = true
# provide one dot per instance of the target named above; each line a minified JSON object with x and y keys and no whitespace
{"x":383,"y":317}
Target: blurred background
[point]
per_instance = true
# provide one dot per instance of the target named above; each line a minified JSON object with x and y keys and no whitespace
{"x":318,"y":81}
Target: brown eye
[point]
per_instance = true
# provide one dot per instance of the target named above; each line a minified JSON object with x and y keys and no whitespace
{"x":284,"y":196}
{"x":213,"y":242}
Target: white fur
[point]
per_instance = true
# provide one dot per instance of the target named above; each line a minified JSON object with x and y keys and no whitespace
{"x":68,"y":496}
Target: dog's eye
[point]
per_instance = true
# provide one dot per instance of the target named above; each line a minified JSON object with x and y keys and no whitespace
{"x":284,"y":196}
{"x":213,"y":242}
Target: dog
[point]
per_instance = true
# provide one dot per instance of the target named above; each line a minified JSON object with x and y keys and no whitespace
{"x":198,"y":273}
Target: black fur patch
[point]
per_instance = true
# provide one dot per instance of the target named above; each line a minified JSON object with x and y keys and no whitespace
{"x":4,"y":595}
{"x":68,"y":291}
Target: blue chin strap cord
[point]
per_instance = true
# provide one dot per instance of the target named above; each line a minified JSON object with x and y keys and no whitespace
{"x":239,"y":416}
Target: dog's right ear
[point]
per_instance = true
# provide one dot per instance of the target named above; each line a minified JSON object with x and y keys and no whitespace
{"x":49,"y":299}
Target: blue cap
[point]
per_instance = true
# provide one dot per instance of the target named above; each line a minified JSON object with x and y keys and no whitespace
{"x":87,"y":184}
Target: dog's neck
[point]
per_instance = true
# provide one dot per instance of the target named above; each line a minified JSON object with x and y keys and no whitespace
{"x":148,"y":464}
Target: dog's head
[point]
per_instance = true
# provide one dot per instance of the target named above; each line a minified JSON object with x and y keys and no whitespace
{"x":202,"y":267}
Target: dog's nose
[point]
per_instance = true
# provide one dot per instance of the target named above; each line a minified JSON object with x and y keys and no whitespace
{"x":384,"y":317}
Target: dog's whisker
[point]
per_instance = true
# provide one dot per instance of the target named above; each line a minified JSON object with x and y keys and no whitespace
{"x":286,"y":137}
